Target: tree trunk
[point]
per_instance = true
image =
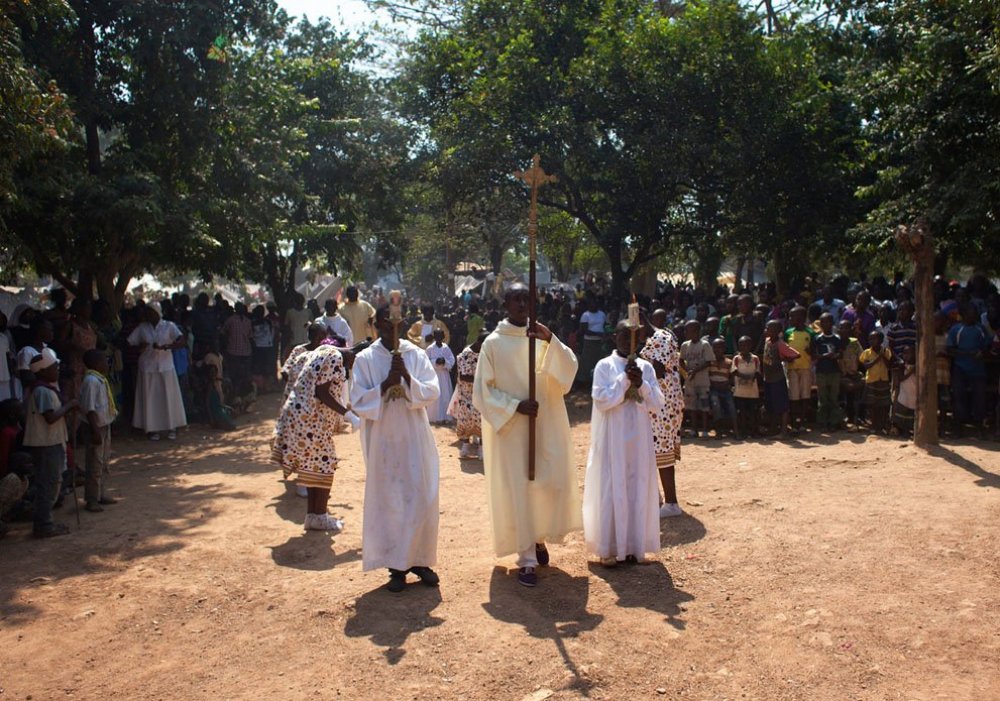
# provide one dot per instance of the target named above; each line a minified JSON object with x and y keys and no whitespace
{"x":708,"y":259}
{"x":738,"y":273}
{"x":917,"y":241}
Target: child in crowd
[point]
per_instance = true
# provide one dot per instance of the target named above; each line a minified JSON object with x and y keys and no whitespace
{"x":720,"y":391}
{"x":828,"y":351}
{"x":45,"y":436}
{"x":877,"y":362}
{"x":943,"y":359}
{"x":746,"y":372}
{"x":799,"y":371}
{"x":851,"y":381}
{"x":696,"y":357}
{"x":220,"y":415}
{"x":905,"y":407}
{"x":967,"y":344}
{"x":468,"y":422}
{"x":776,"y":353}
{"x":443,"y":360}
{"x":98,"y":407}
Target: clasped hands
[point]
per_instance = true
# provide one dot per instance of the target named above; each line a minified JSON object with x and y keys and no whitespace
{"x":634,"y":374}
{"x":397,"y":373}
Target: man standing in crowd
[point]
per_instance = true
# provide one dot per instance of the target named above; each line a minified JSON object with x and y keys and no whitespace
{"x":296,"y":325}
{"x":336,"y":324}
{"x":422,"y":330}
{"x":359,"y":314}
{"x":525,"y":513}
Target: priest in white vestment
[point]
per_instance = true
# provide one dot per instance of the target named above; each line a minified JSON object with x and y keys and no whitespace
{"x":621,"y":521}
{"x":390,"y":392}
{"x":524,"y":514}
{"x":442,"y":360}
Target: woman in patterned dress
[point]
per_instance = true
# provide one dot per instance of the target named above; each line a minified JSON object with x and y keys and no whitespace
{"x":468,"y":423}
{"x":303,"y":436}
{"x":662,"y":350}
{"x":296,"y":359}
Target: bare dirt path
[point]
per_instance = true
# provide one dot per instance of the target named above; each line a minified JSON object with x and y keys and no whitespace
{"x":816,"y":569}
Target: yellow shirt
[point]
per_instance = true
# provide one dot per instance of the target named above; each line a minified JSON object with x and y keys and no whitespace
{"x":879,"y":372}
{"x":800,"y":340}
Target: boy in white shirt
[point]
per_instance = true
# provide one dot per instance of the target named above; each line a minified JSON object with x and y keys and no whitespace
{"x":98,"y":406}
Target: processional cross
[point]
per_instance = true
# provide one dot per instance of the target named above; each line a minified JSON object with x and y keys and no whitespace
{"x":534,"y":178}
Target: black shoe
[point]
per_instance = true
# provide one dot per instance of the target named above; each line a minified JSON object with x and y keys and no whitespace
{"x":397,"y":581}
{"x":427,"y":575}
{"x":93,"y":507}
{"x":51,"y":531}
{"x":542,"y":554}
{"x":526,"y":577}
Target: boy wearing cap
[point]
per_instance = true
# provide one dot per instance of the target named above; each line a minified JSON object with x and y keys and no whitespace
{"x":45,"y":436}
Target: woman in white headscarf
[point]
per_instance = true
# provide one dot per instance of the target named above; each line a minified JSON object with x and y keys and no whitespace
{"x":159,"y":405}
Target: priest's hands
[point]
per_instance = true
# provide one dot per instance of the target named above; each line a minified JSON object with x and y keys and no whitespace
{"x":528,"y":408}
{"x":634,"y":374}
{"x":542,"y":332}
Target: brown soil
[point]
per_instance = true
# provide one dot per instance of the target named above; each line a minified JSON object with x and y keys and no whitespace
{"x":856,"y":568}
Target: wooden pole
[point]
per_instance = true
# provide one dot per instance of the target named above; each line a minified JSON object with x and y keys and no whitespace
{"x":534,"y":177}
{"x":916,"y":240}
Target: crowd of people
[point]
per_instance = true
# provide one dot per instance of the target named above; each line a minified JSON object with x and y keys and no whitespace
{"x":742,"y":363}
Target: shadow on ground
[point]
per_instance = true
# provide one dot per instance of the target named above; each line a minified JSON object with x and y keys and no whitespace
{"x":145,"y":477}
{"x":681,"y":530}
{"x":390,"y":619}
{"x":555,"y":611}
{"x":647,"y":586}
{"x":312,"y":551}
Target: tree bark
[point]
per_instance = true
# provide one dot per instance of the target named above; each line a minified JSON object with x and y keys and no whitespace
{"x":916,"y":240}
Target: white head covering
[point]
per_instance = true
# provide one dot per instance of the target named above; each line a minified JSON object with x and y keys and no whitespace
{"x":47,"y":358}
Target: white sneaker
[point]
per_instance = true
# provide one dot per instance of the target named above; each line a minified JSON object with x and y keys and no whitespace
{"x":301,"y":491}
{"x":669,"y":510}
{"x":308,"y":523}
{"x":463,"y":451}
{"x":171,"y":435}
{"x":154,"y":436}
{"x":324,"y":522}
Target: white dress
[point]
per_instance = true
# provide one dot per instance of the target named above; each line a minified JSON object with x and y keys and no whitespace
{"x":159,"y":405}
{"x":401,"y":461}
{"x":620,"y":493}
{"x":438,"y":411}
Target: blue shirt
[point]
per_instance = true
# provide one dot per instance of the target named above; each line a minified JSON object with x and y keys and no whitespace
{"x":969,"y":339}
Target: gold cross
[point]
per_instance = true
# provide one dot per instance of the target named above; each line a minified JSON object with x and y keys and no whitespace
{"x":534,"y":178}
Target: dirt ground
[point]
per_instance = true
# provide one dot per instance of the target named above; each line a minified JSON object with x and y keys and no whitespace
{"x":857,"y":568}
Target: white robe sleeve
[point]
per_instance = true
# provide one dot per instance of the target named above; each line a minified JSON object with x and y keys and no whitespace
{"x":559,"y":364}
{"x":496,"y":406}
{"x":449,"y":358}
{"x":366,"y":388}
{"x":423,"y":389}
{"x":609,"y":386}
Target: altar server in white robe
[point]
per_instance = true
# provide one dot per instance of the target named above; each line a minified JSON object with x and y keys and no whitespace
{"x":442,"y":360}
{"x":525,"y":514}
{"x":621,"y":520}
{"x":390,"y":392}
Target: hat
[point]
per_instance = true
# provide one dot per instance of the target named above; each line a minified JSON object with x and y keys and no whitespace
{"x":45,"y":359}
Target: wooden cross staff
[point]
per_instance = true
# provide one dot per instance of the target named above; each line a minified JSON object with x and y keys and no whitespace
{"x":534,"y":177}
